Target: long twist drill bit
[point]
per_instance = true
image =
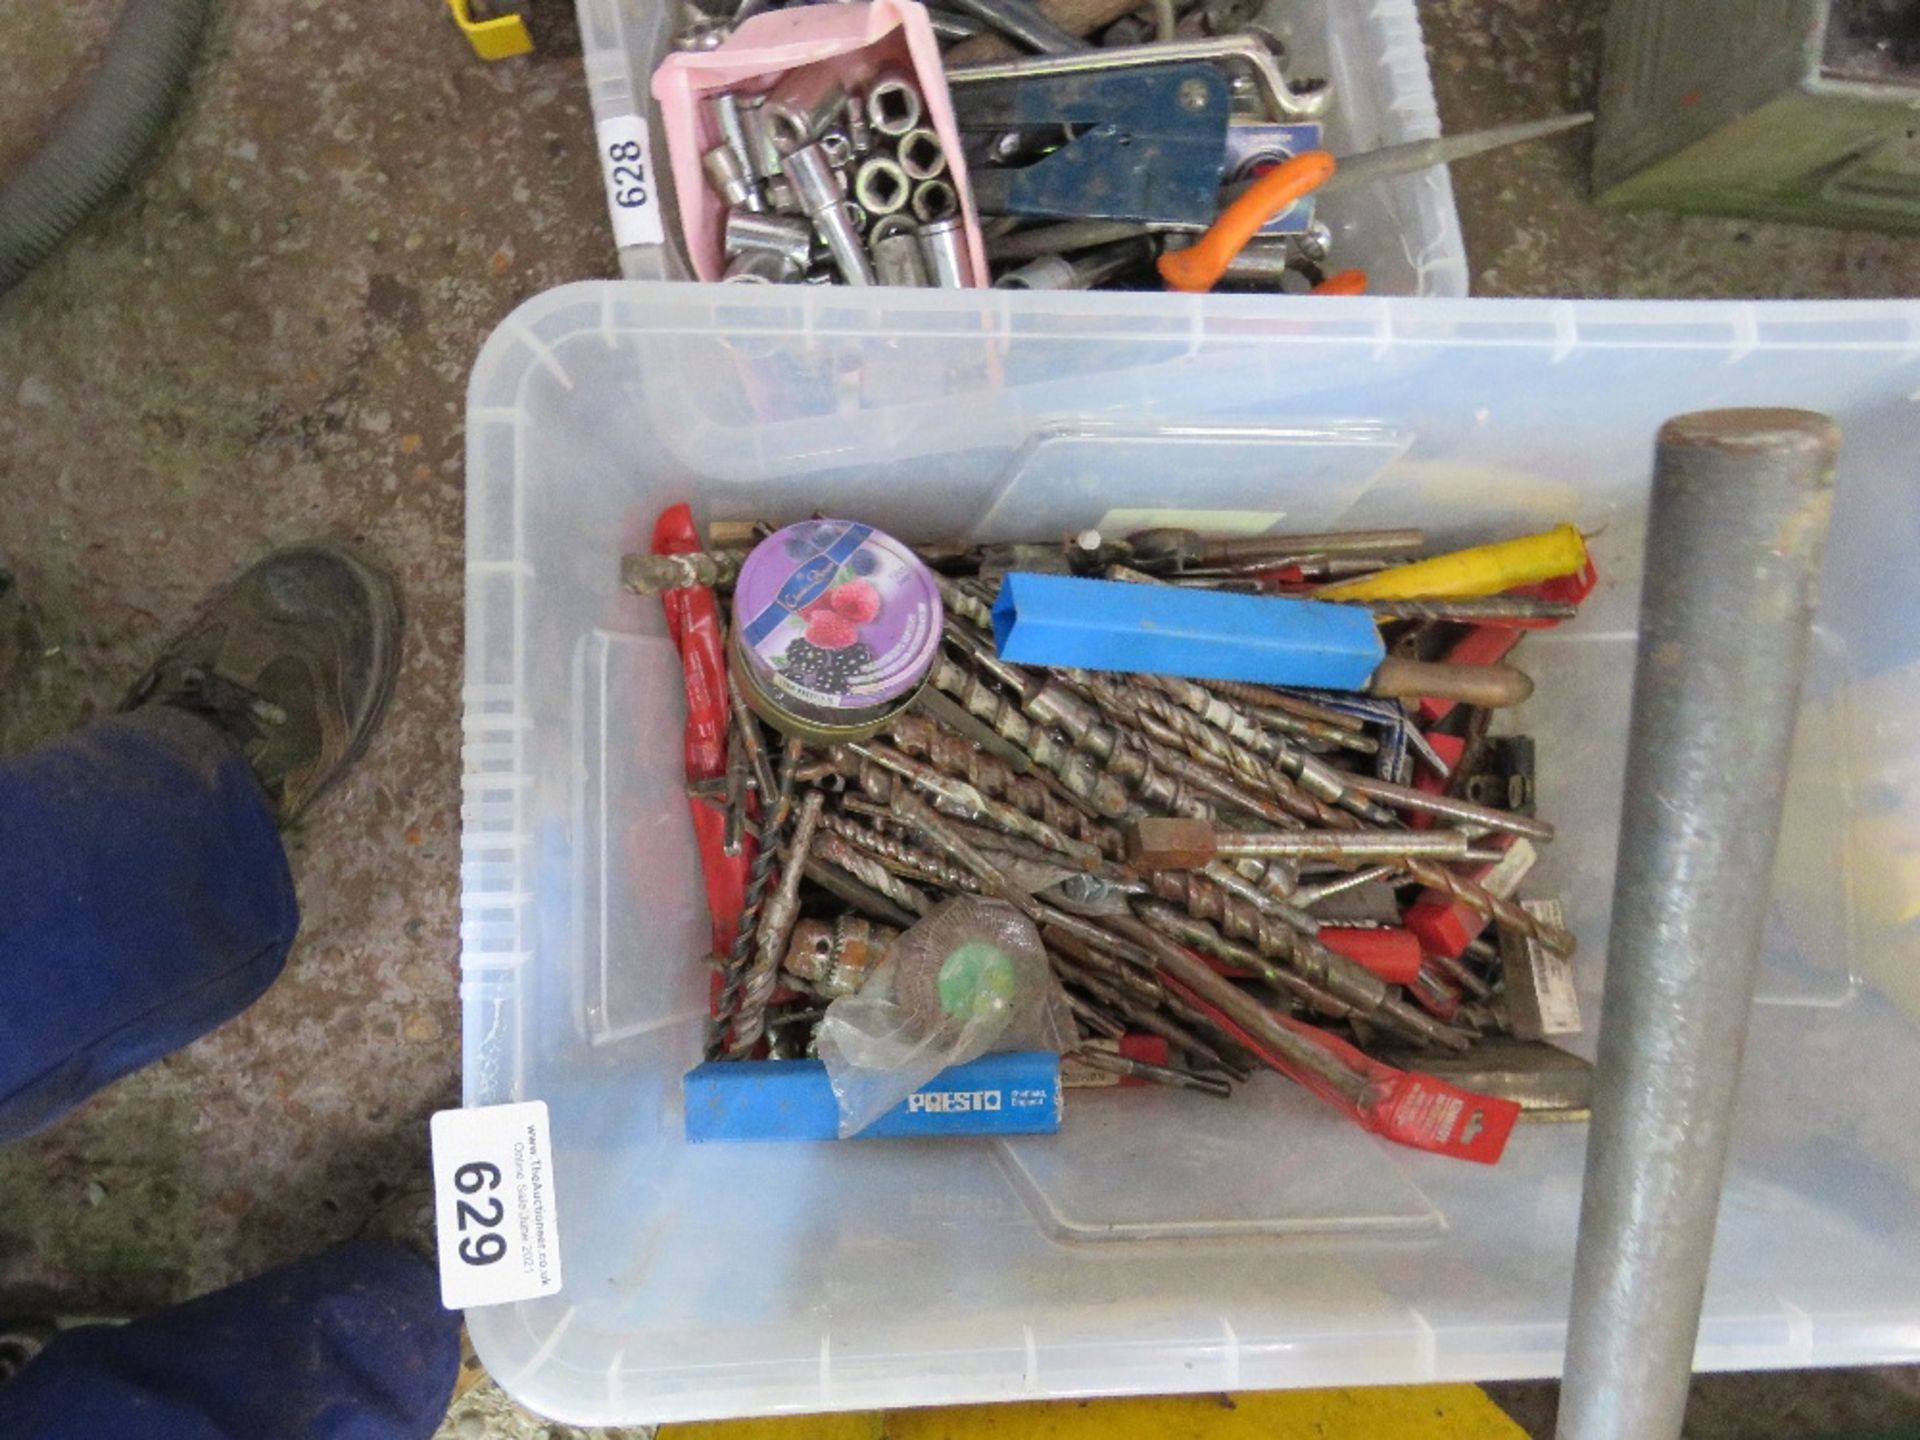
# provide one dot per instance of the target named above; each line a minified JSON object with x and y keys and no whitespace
{"x":923,"y":739}
{"x":959,"y":794}
{"x":1503,"y":912}
{"x":909,"y":862}
{"x":781,"y":909}
{"x":836,"y":850}
{"x":773,"y":823}
{"x":1313,"y":774}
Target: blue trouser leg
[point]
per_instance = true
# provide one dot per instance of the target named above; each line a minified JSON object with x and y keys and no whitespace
{"x":144,"y":899}
{"x":350,"y":1345}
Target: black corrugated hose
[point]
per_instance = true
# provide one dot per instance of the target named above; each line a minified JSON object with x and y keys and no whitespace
{"x":95,"y":143}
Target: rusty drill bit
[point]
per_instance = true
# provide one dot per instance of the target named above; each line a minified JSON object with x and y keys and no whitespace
{"x":1172,"y":843}
{"x":923,"y":739}
{"x":1150,"y":1020}
{"x":1093,"y":1018}
{"x":780,"y":911}
{"x":1504,"y":913}
{"x":835,"y":850}
{"x":1307,"y":896}
{"x":1312,"y":774}
{"x":1273,"y":698}
{"x":965,"y":604}
{"x":652,"y":574}
{"x":773,"y":824}
{"x":960,"y":795}
{"x":875,"y":803}
{"x":746,"y":725}
{"x":907,"y":861}
{"x":1328,"y":982}
{"x":1472,"y":612}
{"x":1146,"y":1070}
{"x":734,"y":827}
{"x":1277,"y":1040}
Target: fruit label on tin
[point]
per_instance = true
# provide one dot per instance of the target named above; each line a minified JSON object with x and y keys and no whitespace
{"x":837,"y":614}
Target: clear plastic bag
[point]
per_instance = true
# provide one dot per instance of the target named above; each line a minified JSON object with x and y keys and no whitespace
{"x":970,"y":977}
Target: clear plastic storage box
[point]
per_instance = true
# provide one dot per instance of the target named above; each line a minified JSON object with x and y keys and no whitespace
{"x":1403,"y":232}
{"x":1164,"y":1241}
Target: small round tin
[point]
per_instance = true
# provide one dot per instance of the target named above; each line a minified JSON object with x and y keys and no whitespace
{"x":836,"y":626}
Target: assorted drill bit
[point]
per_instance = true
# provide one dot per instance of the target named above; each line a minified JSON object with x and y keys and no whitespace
{"x":1185,"y":849}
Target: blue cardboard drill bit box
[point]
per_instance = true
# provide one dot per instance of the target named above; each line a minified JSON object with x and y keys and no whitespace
{"x":1017,"y":1093}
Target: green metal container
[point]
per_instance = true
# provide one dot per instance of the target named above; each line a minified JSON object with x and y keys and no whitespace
{"x":1803,"y":110}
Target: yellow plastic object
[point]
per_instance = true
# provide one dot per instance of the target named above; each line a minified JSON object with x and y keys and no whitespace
{"x":499,"y":39}
{"x":1406,"y":1412}
{"x":1467,"y":574}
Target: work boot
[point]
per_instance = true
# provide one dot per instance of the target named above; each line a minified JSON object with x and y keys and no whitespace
{"x":293,"y":662}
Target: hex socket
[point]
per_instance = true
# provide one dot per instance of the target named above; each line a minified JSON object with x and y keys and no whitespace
{"x":761,"y":267}
{"x":787,"y":236}
{"x":881,"y":186}
{"x":934,"y":200}
{"x":922,"y":155}
{"x":730,"y":180}
{"x":897,"y":259}
{"x":943,"y":245}
{"x":804,"y":103}
{"x":893,"y":105}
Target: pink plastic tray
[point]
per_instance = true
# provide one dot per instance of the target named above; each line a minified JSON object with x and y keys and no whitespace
{"x":864,"y":38}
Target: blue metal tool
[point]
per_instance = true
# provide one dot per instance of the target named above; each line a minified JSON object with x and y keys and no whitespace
{"x":1144,"y":144}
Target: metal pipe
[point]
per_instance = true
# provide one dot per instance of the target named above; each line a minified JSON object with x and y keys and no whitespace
{"x":1734,"y":535}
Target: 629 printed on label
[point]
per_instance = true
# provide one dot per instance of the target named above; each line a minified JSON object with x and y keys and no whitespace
{"x":493,"y":1196}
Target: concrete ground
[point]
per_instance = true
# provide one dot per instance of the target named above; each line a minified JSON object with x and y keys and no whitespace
{"x":267,"y":337}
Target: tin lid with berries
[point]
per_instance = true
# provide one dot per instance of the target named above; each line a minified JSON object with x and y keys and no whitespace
{"x":836,"y":626}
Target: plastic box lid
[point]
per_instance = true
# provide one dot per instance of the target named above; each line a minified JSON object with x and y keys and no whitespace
{"x":1404,"y":233}
{"x":1162,"y":1242}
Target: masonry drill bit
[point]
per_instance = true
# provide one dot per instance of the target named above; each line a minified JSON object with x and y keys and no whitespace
{"x":1175,"y":549}
{"x":1147,"y":1018}
{"x":964,"y":603}
{"x":777,"y":917}
{"x":1312,"y":774}
{"x":921,"y":738}
{"x":773,"y":823}
{"x":1173,"y":843}
{"x":967,"y":798}
{"x":875,"y":804}
{"x":1316,"y":975}
{"x":1092,"y":1018}
{"x":1126,"y":1066}
{"x":1273,"y":698}
{"x":1503,"y":912}
{"x":1475,"y":611}
{"x":862,"y":899}
{"x":1307,"y":896}
{"x":837,"y":851}
{"x":907,"y":861}
{"x":644,"y":574}
{"x":737,"y":774}
{"x":746,"y":725}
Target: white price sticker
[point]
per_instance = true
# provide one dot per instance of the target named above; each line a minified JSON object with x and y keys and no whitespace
{"x":626,"y":164}
{"x":1559,"y":1002}
{"x":493,"y":1201}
